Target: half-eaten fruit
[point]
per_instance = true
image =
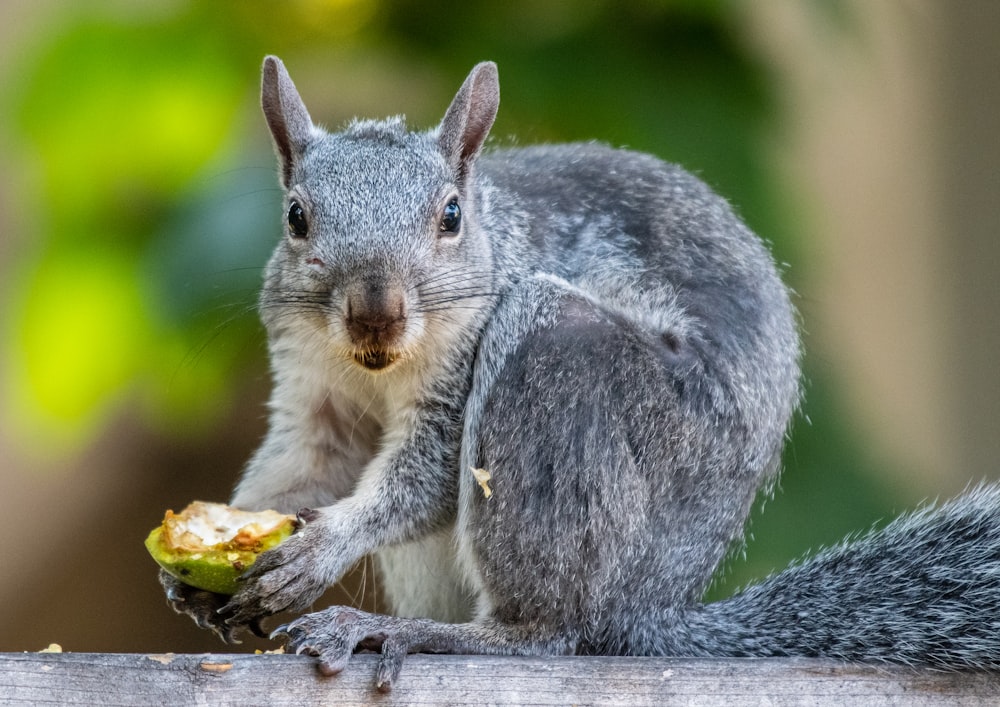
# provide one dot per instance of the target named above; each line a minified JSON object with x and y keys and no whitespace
{"x":209,"y":545}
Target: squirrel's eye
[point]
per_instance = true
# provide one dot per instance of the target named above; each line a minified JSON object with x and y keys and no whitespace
{"x":451,"y":217}
{"x":298,"y":226}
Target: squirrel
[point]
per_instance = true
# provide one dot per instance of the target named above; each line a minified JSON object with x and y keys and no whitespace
{"x":595,"y":332}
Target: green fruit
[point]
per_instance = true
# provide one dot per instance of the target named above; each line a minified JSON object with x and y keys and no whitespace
{"x":209,"y":545}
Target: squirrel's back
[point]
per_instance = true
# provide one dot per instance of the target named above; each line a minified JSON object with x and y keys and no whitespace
{"x":650,"y":241}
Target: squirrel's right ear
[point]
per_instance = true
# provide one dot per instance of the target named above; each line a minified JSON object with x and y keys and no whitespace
{"x":470,"y":116}
{"x":286,"y":115}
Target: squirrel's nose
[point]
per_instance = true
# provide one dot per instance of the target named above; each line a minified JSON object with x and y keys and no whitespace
{"x":376,"y":317}
{"x":377,"y":327}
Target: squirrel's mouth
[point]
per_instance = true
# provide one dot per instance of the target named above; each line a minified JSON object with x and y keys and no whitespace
{"x":376,"y":359}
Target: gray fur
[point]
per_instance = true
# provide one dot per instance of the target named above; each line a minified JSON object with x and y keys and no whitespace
{"x":923,"y":591}
{"x":611,"y":343}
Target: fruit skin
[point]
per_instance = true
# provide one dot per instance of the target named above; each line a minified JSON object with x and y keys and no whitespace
{"x":215,"y":567}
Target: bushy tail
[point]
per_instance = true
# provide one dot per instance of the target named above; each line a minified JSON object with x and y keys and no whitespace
{"x":925,"y":590}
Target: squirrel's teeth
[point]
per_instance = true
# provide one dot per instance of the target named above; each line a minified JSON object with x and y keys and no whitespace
{"x":375,"y":360}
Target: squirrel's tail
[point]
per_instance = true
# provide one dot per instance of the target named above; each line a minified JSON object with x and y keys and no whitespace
{"x":925,"y":590}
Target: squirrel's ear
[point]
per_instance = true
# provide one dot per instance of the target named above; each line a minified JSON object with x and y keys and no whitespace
{"x":286,"y":115}
{"x":469,"y":118}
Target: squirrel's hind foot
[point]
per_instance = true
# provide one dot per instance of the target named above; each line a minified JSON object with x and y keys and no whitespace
{"x":333,"y":635}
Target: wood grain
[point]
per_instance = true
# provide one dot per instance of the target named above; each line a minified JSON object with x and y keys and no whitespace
{"x":217,"y":679}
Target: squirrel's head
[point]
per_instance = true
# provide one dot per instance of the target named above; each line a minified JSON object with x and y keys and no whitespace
{"x":382,"y":251}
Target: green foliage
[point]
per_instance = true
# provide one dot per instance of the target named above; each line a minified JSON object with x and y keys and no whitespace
{"x":115,"y":122}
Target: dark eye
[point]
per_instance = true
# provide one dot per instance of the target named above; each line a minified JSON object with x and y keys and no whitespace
{"x":451,"y":217}
{"x":298,"y":226}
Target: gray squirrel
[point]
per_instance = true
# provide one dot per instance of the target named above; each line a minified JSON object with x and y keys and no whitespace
{"x":596,"y":332}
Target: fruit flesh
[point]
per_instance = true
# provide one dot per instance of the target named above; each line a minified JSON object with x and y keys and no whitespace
{"x":209,"y":545}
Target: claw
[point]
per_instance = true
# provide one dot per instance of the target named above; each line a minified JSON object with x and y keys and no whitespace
{"x":390,"y":664}
{"x":330,"y":667}
{"x":257,"y":629}
{"x":305,"y":516}
{"x":235,"y":612}
{"x":227,"y":634}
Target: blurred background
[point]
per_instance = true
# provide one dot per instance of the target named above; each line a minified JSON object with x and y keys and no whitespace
{"x":139,"y":202}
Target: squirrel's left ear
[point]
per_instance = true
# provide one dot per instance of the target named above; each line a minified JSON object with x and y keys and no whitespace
{"x":469,"y":118}
{"x":286,"y":115}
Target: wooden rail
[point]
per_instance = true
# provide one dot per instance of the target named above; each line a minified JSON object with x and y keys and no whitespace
{"x":105,"y":679}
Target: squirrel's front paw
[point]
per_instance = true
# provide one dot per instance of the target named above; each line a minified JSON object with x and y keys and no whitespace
{"x":290,"y":576}
{"x":204,"y":609}
{"x":333,"y":635}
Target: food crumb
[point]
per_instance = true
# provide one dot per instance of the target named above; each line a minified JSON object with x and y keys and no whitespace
{"x":482,"y":478}
{"x":52,"y":648}
{"x":216,"y":667}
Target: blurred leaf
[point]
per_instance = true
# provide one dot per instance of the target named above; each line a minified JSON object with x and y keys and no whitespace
{"x":119,"y":113}
{"x":78,"y":337}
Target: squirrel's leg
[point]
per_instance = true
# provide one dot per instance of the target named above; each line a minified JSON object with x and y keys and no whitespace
{"x":317,"y":443}
{"x":312,"y":454}
{"x":406,"y":491}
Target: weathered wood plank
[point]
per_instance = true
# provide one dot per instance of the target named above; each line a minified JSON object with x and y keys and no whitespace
{"x":216,"y":679}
